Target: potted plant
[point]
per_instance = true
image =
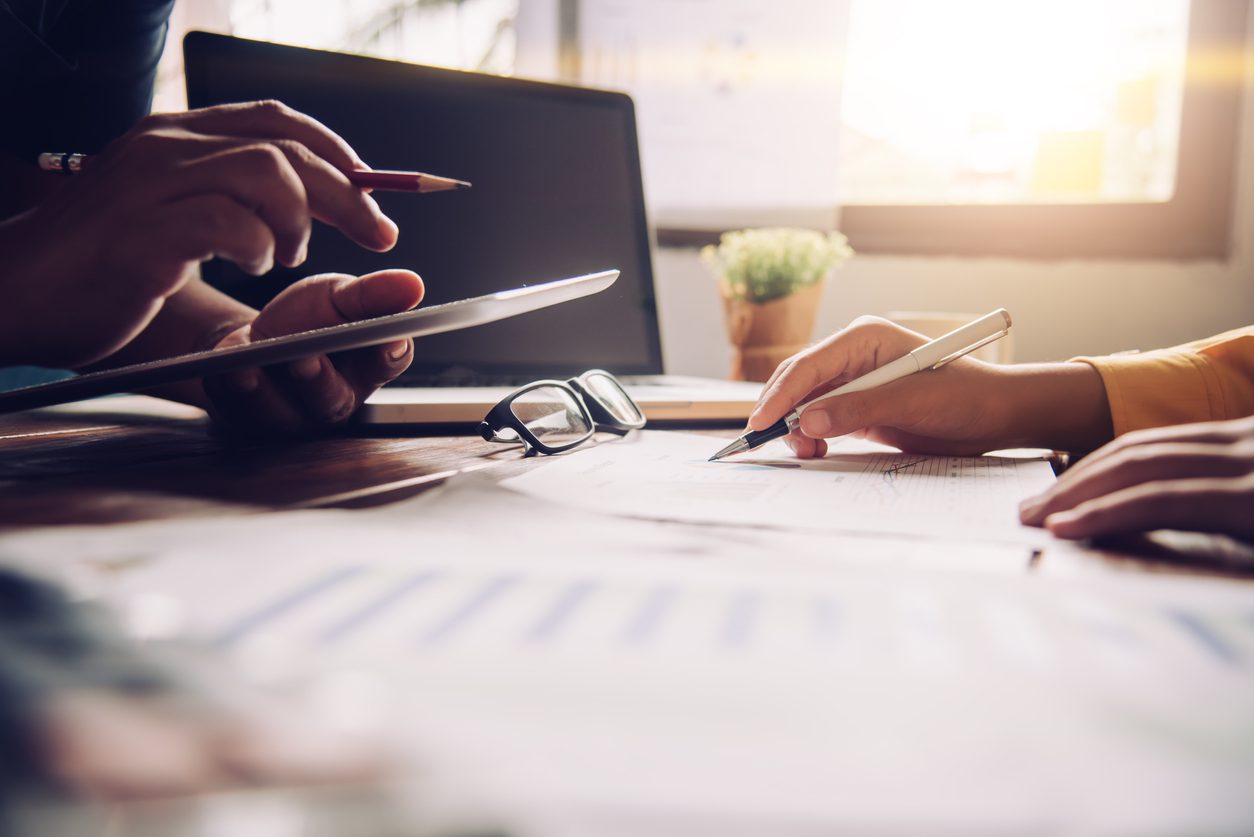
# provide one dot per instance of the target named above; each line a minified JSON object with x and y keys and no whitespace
{"x":771,"y":281}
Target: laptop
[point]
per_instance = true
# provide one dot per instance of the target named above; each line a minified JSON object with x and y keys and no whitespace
{"x":557,"y":192}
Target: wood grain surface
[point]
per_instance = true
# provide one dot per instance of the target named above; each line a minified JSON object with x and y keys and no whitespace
{"x":110,"y":465}
{"x":134,"y":458}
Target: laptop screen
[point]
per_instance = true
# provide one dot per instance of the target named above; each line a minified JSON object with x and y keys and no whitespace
{"x":557,"y":192}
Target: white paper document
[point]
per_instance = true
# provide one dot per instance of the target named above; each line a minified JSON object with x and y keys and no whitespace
{"x":858,"y":487}
{"x":592,"y":674}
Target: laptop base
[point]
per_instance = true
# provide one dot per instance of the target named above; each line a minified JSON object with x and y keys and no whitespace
{"x":663,"y":398}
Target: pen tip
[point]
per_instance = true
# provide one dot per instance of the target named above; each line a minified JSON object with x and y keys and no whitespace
{"x":735,"y":447}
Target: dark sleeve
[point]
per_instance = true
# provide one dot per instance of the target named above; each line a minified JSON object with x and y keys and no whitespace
{"x":77,"y":74}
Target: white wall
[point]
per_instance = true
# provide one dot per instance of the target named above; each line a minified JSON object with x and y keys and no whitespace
{"x":1061,"y":309}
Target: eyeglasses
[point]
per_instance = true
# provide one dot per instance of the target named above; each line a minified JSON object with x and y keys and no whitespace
{"x":553,"y":416}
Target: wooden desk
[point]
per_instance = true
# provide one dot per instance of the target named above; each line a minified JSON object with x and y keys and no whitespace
{"x":140,"y":459}
{"x":137,"y":458}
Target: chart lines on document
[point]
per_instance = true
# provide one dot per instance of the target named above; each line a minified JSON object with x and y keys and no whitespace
{"x":943,"y":484}
{"x":903,"y":478}
{"x":883,"y":490}
{"x":436,"y":611}
{"x":893,"y":470}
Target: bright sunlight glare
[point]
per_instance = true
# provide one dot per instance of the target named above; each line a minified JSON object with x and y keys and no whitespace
{"x":1005,"y":101}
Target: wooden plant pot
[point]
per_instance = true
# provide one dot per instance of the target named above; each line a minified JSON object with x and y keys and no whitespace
{"x":764,"y":335}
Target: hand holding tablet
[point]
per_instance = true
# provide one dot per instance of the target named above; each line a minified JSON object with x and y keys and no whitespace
{"x":104,"y":272}
{"x":355,"y":335}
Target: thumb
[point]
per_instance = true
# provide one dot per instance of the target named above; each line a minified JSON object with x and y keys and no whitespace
{"x":842,"y":414}
{"x":335,"y":298}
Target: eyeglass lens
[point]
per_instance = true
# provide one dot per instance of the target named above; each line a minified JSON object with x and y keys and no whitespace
{"x":611,"y":395}
{"x":552,"y":414}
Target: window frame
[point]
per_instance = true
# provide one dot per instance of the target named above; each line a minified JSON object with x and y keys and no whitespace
{"x":1194,"y":224}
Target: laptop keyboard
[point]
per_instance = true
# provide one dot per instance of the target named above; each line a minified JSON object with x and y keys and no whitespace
{"x":446,"y":380}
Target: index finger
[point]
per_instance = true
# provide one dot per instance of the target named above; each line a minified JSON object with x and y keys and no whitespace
{"x":1195,"y":505}
{"x":1198,"y":433}
{"x":845,"y":355}
{"x":801,"y":375}
{"x":1135,"y":466}
{"x":271,"y":119}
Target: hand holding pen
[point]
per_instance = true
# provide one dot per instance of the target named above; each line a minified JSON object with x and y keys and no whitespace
{"x":929,"y":357}
{"x":964,"y":407}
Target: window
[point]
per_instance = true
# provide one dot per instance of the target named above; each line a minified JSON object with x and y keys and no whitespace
{"x":988,"y":101}
{"x":1059,"y":129}
{"x":460,"y":34}
{"x":1056,"y":129}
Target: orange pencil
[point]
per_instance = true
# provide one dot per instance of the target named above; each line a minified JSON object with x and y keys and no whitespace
{"x":387,"y":181}
{"x":404,"y":181}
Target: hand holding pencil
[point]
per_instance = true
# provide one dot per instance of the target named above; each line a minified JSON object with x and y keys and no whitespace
{"x":382,"y":180}
{"x":104,"y":270}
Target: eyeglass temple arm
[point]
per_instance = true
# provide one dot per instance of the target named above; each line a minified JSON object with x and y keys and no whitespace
{"x":490,"y":435}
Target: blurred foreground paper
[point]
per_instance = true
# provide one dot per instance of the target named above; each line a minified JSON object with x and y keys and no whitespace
{"x":859,"y":486}
{"x":593,"y":675}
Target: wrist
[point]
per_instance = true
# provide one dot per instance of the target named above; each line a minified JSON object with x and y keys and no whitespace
{"x":27,"y":292}
{"x":1061,"y":406}
{"x":205,"y":315}
{"x":217,"y":320}
{"x":196,"y":319}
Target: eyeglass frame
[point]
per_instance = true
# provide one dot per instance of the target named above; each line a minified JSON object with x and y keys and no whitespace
{"x":594,"y":412}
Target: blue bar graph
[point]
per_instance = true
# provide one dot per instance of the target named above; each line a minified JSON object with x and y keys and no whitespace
{"x":565,"y":606}
{"x":648,"y":619}
{"x":479,"y":600}
{"x":738,"y":624}
{"x":377,"y":607}
{"x":827,"y":618}
{"x":1205,"y":636}
{"x":286,"y":604}
{"x":351,"y":604}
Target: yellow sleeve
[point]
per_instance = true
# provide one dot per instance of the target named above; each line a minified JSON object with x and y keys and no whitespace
{"x":1207,"y":380}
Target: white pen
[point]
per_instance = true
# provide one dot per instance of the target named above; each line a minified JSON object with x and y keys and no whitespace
{"x":931,"y":355}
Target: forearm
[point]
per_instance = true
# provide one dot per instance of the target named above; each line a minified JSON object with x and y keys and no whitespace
{"x":194,"y":319}
{"x":1062,"y":406}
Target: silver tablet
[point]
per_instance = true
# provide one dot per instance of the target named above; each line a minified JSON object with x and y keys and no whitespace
{"x":423,"y":321}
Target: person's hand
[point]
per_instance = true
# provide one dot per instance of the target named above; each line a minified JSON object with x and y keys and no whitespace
{"x":86,"y":270}
{"x":1193,"y":477}
{"x":90,"y":710}
{"x":316,"y":391}
{"x":180,"y":744}
{"x":966,"y":407}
